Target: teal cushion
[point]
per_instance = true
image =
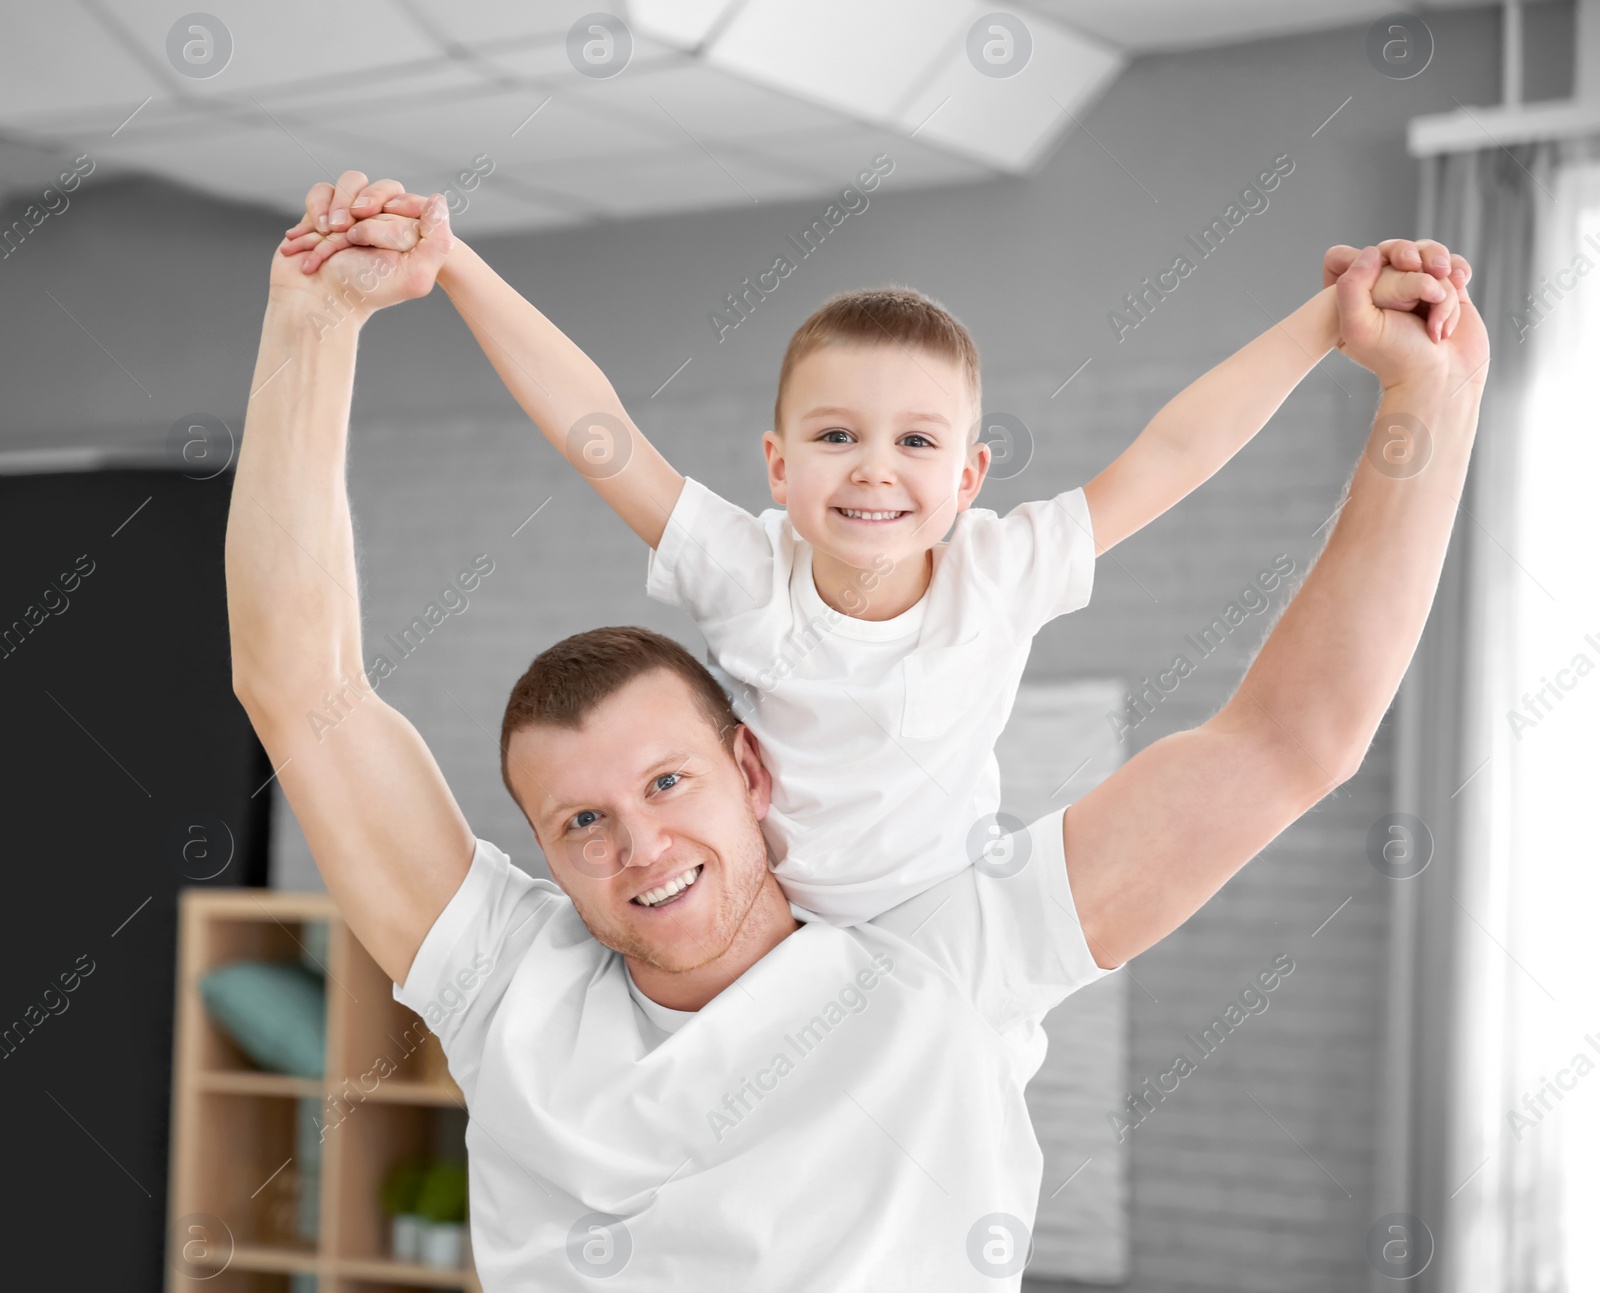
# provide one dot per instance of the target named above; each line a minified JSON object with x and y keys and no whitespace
{"x":276,"y":1011}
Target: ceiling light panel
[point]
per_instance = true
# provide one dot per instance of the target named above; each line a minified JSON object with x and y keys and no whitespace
{"x":1011,"y":121}
{"x":862,"y":59}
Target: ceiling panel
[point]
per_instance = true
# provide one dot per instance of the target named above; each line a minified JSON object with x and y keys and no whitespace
{"x":85,"y":65}
{"x":684,"y":23}
{"x":288,"y":40}
{"x":680,"y":180}
{"x":519,"y":130}
{"x":247,"y":163}
{"x":705,"y":101}
{"x":1146,"y":25}
{"x":480,"y":24}
{"x":548,"y":64}
{"x":378,"y":89}
{"x":724,"y":102}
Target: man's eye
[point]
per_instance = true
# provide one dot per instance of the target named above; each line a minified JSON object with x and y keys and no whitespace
{"x":667,"y":780}
{"x":835,"y":436}
{"x":584,"y":820}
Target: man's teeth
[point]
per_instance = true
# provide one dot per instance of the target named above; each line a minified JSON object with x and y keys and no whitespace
{"x":661,"y":894}
{"x":870,"y":516}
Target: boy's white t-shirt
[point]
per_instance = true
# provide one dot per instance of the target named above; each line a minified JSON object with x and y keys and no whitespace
{"x":848,"y":1114}
{"x":879,"y":734}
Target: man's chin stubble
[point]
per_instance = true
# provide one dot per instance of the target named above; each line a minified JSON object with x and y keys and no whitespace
{"x":733,"y":920}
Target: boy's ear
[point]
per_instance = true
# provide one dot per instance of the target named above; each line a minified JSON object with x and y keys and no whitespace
{"x":777,"y":479}
{"x":972,"y":475}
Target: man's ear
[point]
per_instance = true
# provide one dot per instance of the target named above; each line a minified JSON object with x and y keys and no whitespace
{"x":777,"y":476}
{"x":757,"y":780}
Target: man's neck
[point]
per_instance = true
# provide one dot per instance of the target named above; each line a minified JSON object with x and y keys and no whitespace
{"x":768,"y":922}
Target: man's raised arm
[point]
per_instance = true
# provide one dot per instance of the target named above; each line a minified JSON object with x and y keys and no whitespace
{"x":387,"y":835}
{"x":1149,"y":846}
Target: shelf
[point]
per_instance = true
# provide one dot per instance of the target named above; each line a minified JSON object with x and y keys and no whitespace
{"x":394,"y":1091}
{"x":274,"y":1084}
{"x":282,"y":1261}
{"x":245,"y":1151}
{"x":405,"y":1273}
{"x":400,"y":1091}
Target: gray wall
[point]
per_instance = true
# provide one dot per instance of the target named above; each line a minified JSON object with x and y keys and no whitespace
{"x":1256,"y":1173}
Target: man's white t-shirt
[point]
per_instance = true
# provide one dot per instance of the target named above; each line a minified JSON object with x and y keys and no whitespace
{"x":879,"y":734}
{"x":848,"y":1114}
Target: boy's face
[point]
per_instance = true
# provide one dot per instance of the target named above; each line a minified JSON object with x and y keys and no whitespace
{"x":876,"y":457}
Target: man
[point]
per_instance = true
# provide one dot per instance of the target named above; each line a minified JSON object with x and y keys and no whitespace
{"x":672,"y":1073}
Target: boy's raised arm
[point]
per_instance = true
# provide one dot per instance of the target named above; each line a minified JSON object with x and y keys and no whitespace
{"x":557,"y":385}
{"x":1215,"y":416}
{"x":566,"y":395}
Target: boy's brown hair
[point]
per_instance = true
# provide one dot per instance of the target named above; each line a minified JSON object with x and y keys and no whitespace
{"x":568,"y":681}
{"x":884,"y":316}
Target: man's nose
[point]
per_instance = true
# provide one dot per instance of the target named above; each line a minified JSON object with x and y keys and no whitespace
{"x":644,"y":839}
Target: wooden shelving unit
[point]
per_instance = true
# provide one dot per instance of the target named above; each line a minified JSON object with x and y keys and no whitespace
{"x":233,"y":1126}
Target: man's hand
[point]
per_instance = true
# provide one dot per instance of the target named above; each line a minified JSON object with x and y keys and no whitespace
{"x":1397,"y":346}
{"x":338,"y":216}
{"x":381,"y":261}
{"x":1414,"y":261}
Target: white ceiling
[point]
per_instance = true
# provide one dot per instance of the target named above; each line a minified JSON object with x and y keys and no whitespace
{"x":723,"y":102}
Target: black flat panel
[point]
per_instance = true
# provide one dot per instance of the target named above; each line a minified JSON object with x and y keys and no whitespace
{"x":129,"y":771}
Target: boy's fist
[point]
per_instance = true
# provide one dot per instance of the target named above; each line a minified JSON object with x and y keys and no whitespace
{"x":1400,"y":286}
{"x":1414,"y":292}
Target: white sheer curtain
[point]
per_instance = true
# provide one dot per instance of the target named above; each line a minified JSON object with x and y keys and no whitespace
{"x":1553,"y":1010}
{"x":1491,"y":1132}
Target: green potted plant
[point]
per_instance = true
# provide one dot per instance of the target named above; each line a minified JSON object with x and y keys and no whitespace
{"x":442,"y":1201}
{"x":402,"y":1188}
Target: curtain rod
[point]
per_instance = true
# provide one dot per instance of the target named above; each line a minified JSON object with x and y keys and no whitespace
{"x":1512,"y":121}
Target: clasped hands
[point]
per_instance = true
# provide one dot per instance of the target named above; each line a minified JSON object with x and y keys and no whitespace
{"x":1401,"y":303}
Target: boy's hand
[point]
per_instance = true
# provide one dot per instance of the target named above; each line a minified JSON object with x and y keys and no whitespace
{"x":1415,"y":261}
{"x":1435,"y":300}
{"x":347,"y":214}
{"x":388,"y":258}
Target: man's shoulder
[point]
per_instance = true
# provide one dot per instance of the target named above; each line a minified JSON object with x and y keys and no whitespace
{"x":1005,"y":928}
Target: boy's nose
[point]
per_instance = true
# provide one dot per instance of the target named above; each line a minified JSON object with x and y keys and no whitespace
{"x":873,"y":467}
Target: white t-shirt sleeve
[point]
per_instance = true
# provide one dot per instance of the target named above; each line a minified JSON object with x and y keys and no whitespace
{"x":1013,"y":942}
{"x":714,"y":560}
{"x":468,"y":956}
{"x":1040,"y":556}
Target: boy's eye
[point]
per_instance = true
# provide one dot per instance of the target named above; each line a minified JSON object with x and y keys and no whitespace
{"x":835,"y":435}
{"x":916,"y":440}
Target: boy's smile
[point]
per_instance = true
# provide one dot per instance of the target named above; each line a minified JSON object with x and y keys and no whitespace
{"x":874,"y":465}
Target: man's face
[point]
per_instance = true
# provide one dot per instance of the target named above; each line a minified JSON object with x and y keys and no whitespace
{"x":645,"y":795}
{"x":876,"y":457}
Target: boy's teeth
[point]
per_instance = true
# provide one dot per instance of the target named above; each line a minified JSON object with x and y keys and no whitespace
{"x":661,"y":894}
{"x":869,"y":516}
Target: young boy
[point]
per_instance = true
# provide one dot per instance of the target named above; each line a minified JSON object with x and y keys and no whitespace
{"x":873,"y":633}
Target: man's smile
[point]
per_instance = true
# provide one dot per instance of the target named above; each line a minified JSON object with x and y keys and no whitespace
{"x":669,"y":893}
